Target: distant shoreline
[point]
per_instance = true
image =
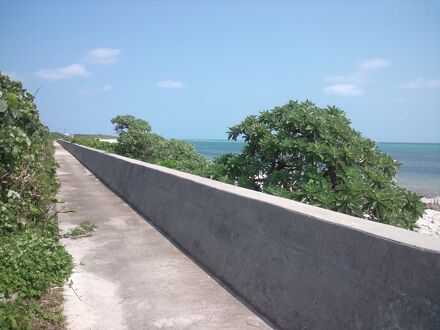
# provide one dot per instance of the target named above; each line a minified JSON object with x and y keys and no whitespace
{"x":421,"y":143}
{"x":241,"y":141}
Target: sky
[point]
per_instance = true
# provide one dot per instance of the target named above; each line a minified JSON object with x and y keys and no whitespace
{"x":194,"y":68}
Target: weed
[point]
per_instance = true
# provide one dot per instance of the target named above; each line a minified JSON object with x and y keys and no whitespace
{"x":85,"y":228}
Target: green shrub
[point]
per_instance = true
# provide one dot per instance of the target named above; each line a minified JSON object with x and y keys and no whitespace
{"x":27,"y":167}
{"x":312,"y":155}
{"x":31,"y":264}
{"x":31,"y":258}
{"x":19,"y":314}
{"x":94,"y":143}
{"x":137,"y":141}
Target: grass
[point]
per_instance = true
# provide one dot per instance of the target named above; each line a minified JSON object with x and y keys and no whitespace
{"x":52,"y":312}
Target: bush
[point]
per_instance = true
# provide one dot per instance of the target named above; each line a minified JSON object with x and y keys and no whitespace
{"x":94,"y":143}
{"x":31,"y":264}
{"x":312,"y":155}
{"x":31,"y":258}
{"x":137,"y":141}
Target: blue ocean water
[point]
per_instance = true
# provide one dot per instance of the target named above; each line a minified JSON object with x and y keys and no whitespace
{"x":419,"y":172}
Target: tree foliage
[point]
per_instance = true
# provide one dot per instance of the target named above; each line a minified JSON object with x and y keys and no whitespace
{"x":31,"y":257}
{"x":136,"y":140}
{"x":94,"y":142}
{"x":27,"y":168}
{"x":134,"y":135}
{"x":311,"y":154}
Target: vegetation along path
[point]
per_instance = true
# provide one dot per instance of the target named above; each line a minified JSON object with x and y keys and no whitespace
{"x":127,"y":274}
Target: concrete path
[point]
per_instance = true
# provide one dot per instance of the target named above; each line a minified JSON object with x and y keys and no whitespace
{"x":127,"y":274}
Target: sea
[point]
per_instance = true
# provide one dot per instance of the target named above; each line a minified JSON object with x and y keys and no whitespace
{"x":419,"y":170}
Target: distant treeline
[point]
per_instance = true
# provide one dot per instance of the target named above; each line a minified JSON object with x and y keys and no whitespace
{"x":68,"y":137}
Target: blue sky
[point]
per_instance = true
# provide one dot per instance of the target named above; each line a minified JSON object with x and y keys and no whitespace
{"x":194,"y":68}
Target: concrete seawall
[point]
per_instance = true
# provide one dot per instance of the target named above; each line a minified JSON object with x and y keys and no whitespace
{"x":300,"y":266}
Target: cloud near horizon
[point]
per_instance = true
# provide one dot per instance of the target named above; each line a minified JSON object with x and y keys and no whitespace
{"x":422,"y":83}
{"x":353,"y":84}
{"x":344,"y":89}
{"x":170,"y":84}
{"x":374,"y":64}
{"x":89,"y":91}
{"x":67,"y":72}
{"x":352,"y":78}
{"x":106,"y":88}
{"x":104,"y":56}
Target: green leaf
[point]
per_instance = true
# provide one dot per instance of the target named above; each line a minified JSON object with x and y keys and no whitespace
{"x":3,"y":106}
{"x":12,"y":100}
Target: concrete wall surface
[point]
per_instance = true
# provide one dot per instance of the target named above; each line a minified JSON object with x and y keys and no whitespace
{"x":301,"y":266}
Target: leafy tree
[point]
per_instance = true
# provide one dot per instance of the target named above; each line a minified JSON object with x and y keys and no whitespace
{"x":133,"y":136}
{"x":311,"y":154}
{"x":137,"y":141}
{"x":124,"y":123}
{"x":182,"y":156}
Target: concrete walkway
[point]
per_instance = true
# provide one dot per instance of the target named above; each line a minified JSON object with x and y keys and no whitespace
{"x":127,"y":274}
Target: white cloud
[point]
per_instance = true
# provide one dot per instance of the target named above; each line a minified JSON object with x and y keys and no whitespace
{"x":344,"y":89}
{"x":70,"y":71}
{"x":89,"y":91}
{"x":103,"y":56}
{"x":353,"y":84}
{"x":352,"y":78}
{"x":374,"y":64}
{"x":170,"y":84}
{"x":422,"y":83}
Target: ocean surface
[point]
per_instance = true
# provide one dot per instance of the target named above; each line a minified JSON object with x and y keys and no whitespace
{"x":419,"y":172}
